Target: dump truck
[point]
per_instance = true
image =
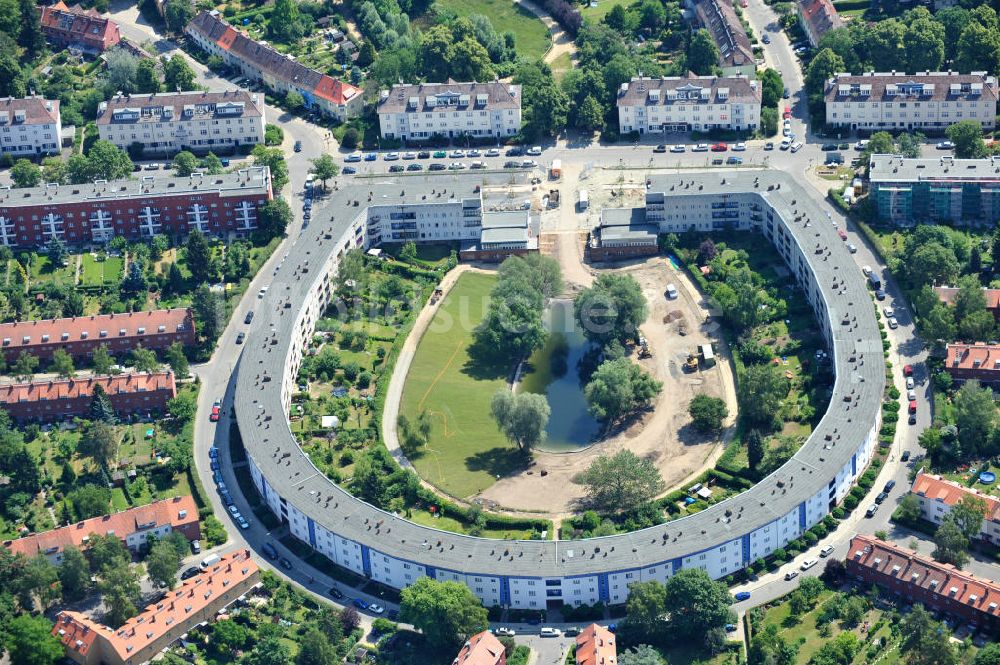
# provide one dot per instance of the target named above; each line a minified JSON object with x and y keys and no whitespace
{"x":555,"y":171}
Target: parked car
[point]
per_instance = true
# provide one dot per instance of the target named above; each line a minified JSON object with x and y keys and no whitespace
{"x":396,"y":168}
{"x":945,"y":145}
{"x":907,"y":370}
{"x":424,"y":154}
{"x":826,"y":551}
{"x":196,"y":547}
{"x":248,"y":318}
{"x":391,"y":156}
{"x":348,"y":170}
{"x":234,"y":510}
{"x":889,"y":485}
{"x":572,"y":631}
{"x":409,"y":155}
{"x":701,"y":147}
{"x":828,"y":147}
{"x":456,"y":166}
{"x":796,"y":146}
{"x":436,"y":166}
{"x":677,"y":148}
{"x":493,"y":152}
{"x":734,"y":160}
{"x":909,"y":383}
{"x":720,"y":147}
{"x":457,"y":153}
{"x":375,"y":608}
{"x":882,"y":496}
{"x":852,"y":248}
{"x":791,"y":575}
{"x":371,"y":156}
{"x":360,"y":604}
{"x":190,"y":572}
{"x":415,"y":167}
{"x":473,"y":153}
{"x":740,"y":147}
{"x":660,"y":148}
{"x":892,"y":322}
{"x":298,"y":146}
{"x":505,"y":632}
{"x":336,"y":593}
{"x":440,"y":154}
{"x":766,"y":39}
{"x":242,"y":521}
{"x":353,"y":157}
{"x":808,"y":563}
{"x":550,"y":632}
{"x":769,"y":145}
{"x":730,"y":627}
{"x":534,"y":151}
{"x":905,"y":457}
{"x":515,"y":152}
{"x":740,"y":596}
{"x":269,"y":551}
{"x":872,"y":509}
{"x":285,"y":563}
{"x":216,"y":412}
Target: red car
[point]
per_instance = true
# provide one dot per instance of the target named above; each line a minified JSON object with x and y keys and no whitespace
{"x":215,"y":414}
{"x":842,"y":233}
{"x":907,"y":370}
{"x":720,"y":147}
{"x":913,"y":406}
{"x":788,"y":112}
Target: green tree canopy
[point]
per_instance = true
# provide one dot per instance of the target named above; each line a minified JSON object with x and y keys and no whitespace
{"x":620,"y":482}
{"x":29,"y":641}
{"x":702,"y":53}
{"x":696,"y":603}
{"x":708,"y":413}
{"x":522,"y":417}
{"x":611,"y":309}
{"x":446,"y":612}
{"x":618,"y":388}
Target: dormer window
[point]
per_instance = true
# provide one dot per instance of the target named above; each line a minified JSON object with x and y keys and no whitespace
{"x":64,"y":336}
{"x":104,"y":333}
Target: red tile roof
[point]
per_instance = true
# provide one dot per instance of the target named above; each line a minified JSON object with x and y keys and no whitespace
{"x":914,"y":571}
{"x":22,"y":335}
{"x":176,"y":512}
{"x":946,"y":294}
{"x":74,"y":388}
{"x":77,"y":25}
{"x":949,"y":492}
{"x":821,"y":16}
{"x":335,"y":91}
{"x":78,"y":632}
{"x":981,"y":357}
{"x":481,"y":649}
{"x":595,"y":645}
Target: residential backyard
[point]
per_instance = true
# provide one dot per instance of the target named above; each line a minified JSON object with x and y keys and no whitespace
{"x":533,"y":37}
{"x":466,"y":450}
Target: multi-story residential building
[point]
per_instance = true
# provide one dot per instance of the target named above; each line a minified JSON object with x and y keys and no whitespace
{"x":817,"y":17}
{"x":29,"y":126}
{"x":939,"y":189}
{"x":939,"y":495}
{"x":937,"y":586}
{"x":141,"y":638}
{"x":532,"y":574}
{"x":481,"y":649}
{"x":133,"y":526}
{"x":62,"y":399}
{"x":967,"y":362}
{"x":78,"y":28}
{"x":137,"y":209}
{"x":421,"y":111}
{"x":928,"y":101}
{"x":595,"y":645}
{"x":735,"y":53}
{"x":278,"y":72}
{"x":169,"y":122}
{"x":946,"y":294}
{"x":691,"y":103}
{"x":623,"y":233}
{"x":80,"y":336}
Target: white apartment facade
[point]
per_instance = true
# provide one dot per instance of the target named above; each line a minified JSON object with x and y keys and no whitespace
{"x":937,"y":497}
{"x":925,"y":101}
{"x":683,"y":104}
{"x":167,"y":123}
{"x":478,"y":110}
{"x":30,"y":126}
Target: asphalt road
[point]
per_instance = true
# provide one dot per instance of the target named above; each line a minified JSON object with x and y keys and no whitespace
{"x":217,"y":374}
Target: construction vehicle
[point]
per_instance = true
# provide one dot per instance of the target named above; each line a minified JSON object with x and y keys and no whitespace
{"x":553,"y":198}
{"x":644,"y":351}
{"x":691,"y":364}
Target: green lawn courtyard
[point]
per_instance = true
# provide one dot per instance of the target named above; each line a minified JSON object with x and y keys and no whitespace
{"x":466,"y":450}
{"x":532,"y":36}
{"x":95,"y":272}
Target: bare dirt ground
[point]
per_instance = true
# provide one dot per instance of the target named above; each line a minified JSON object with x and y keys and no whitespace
{"x":662,"y":433}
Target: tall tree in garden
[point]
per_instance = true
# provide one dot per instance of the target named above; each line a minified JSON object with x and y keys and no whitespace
{"x":611,"y":309}
{"x":522,"y":417}
{"x":702,"y":53}
{"x":285,"y":23}
{"x":31,"y":37}
{"x":325,"y":168}
{"x":177,"y":73}
{"x":756,"y":449}
{"x":446,"y":612}
{"x":29,"y":641}
{"x":199,"y":257}
{"x":620,"y":482}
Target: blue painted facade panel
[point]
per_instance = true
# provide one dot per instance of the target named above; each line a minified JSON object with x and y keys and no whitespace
{"x":312,"y":532}
{"x":366,"y":560}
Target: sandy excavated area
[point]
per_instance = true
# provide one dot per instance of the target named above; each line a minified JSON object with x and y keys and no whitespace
{"x":663,"y":433}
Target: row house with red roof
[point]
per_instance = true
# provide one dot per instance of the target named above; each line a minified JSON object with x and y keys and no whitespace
{"x":281,"y":73}
{"x":133,"y":526}
{"x":75,"y":27}
{"x":197,"y":600}
{"x":967,"y":362}
{"x":937,"y":497}
{"x":937,"y":586}
{"x":138,"y":209}
{"x":80,"y":336}
{"x":63,"y":399}
{"x":481,"y":649}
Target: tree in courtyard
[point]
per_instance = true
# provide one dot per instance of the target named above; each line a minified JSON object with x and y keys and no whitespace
{"x":988,"y":655}
{"x":769,"y":647}
{"x":925,"y":641}
{"x":645,"y":611}
{"x":702,"y":53}
{"x":967,"y":135}
{"x":824,"y":65}
{"x":975,"y":417}
{"x":199,"y":257}
{"x":144,"y":360}
{"x":89,"y":501}
{"x":178,"y":13}
{"x":209,"y":311}
{"x":268,"y":651}
{"x":147,"y":77}
{"x":446,"y":612}
{"x":107,"y":551}
{"x":273,"y":217}
{"x":951,"y":544}
{"x":102,"y":361}
{"x":968,"y":515}
{"x":24,"y":173}
{"x":108,"y":162}
{"x":759,"y":392}
{"x":613,"y":308}
{"x":274,"y":159}
{"x":409,"y":252}
{"x":25,"y":365}
{"x":349,"y":619}
{"x":38,"y":580}
{"x":162,"y":563}
{"x":642,"y":654}
{"x":286,"y":23}
{"x":100,"y":406}
{"x":119,"y":587}
{"x":177,"y":73}
{"x":909,"y":510}
{"x":100,"y":441}
{"x":772,"y":87}
{"x":62,"y":363}
{"x":707,"y":251}
{"x":229,"y":636}
{"x":521,"y":417}
{"x":618,"y":388}
{"x":185,"y":163}
{"x":325,"y":168}
{"x":756,"y":449}
{"x":177,"y":360}
{"x":708,"y":413}
{"x":620,"y":482}
{"x":74,"y":574}
{"x":29,"y":641}
{"x":316,"y":649}
{"x":57,"y":252}
{"x":696,"y":603}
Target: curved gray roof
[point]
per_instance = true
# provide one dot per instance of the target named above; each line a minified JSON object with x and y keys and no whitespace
{"x":853,"y":411}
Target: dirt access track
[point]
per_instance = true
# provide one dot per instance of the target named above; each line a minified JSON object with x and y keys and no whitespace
{"x":663,"y":433}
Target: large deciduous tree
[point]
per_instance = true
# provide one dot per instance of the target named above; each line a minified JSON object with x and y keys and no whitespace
{"x":620,"y":482}
{"x":446,"y":612}
{"x":696,"y":603}
{"x":521,"y":417}
{"x":611,"y":309}
{"x":618,"y":388}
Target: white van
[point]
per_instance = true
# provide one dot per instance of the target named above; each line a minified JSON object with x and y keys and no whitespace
{"x":826,"y":551}
{"x":210,"y":561}
{"x":671,"y":292}
{"x":796,"y":146}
